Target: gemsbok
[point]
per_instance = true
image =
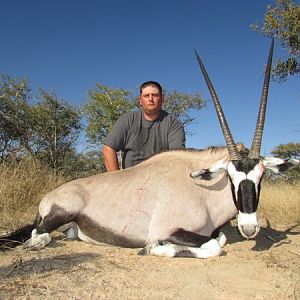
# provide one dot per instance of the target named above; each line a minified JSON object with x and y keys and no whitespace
{"x":172,"y":204}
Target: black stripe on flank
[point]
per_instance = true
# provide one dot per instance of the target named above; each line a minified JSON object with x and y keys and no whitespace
{"x":101,"y":234}
{"x":59,"y":216}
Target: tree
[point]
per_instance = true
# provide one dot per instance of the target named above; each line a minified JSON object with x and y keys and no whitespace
{"x":283,"y":22}
{"x":56,"y":127}
{"x":289,"y":150}
{"x":181,"y":103}
{"x":84,"y":164}
{"x":105,"y":105}
{"x":15,"y":117}
{"x":45,"y":129}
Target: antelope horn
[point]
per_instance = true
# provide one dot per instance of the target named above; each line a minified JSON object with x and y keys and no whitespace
{"x":231,"y":146}
{"x":256,"y":143}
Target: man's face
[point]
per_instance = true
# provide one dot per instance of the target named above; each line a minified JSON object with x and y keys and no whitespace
{"x":151,"y":100}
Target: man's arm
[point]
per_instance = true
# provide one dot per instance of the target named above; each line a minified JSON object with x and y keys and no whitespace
{"x":176,"y":135}
{"x":110,"y":159}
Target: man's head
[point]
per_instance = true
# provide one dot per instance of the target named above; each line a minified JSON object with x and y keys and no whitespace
{"x":151,"y":99}
{"x":150,"y":83}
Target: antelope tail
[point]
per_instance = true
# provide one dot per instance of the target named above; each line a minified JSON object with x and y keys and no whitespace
{"x":17,"y":237}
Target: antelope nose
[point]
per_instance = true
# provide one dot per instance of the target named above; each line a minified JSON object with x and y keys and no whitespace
{"x":249,"y":230}
{"x":248,"y":225}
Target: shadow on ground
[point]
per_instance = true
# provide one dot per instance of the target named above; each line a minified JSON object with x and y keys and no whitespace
{"x":21,"y":266}
{"x":267,"y":238}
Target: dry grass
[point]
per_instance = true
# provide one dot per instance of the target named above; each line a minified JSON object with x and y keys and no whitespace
{"x":22,"y":185}
{"x":280,"y":203}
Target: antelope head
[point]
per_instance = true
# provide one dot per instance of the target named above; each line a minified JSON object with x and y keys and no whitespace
{"x":245,"y":172}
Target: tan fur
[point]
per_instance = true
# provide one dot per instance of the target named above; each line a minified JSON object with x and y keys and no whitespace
{"x":148,"y":202}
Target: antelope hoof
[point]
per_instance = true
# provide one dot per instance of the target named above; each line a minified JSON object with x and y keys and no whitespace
{"x":221,"y":239}
{"x":37,"y":241}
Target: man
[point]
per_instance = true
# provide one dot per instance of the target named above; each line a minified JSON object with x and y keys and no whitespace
{"x":144,"y":132}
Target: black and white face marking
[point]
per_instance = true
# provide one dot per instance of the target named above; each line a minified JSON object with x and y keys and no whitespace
{"x":245,"y":176}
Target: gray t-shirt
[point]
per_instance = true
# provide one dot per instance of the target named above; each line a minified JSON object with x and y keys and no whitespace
{"x":140,"y":139}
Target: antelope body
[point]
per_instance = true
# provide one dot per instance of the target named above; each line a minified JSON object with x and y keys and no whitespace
{"x":171,"y":204}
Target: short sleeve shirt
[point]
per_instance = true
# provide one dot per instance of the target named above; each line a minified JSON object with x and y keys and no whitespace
{"x":140,"y":138}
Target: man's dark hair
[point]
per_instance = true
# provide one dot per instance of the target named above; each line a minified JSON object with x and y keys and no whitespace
{"x":151,"y":83}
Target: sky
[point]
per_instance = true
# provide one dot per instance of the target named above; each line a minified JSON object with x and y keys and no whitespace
{"x":69,"y":45}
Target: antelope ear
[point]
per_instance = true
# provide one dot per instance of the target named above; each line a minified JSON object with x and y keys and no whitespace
{"x":279,"y":165}
{"x":212,"y":172}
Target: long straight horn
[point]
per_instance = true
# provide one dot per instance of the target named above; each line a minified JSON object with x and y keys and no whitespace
{"x":256,"y":143}
{"x":231,"y":146}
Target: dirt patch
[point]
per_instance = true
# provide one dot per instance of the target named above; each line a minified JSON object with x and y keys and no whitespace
{"x":268,"y":268}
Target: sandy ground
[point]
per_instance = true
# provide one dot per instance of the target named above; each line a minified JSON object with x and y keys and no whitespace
{"x":268,"y":268}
